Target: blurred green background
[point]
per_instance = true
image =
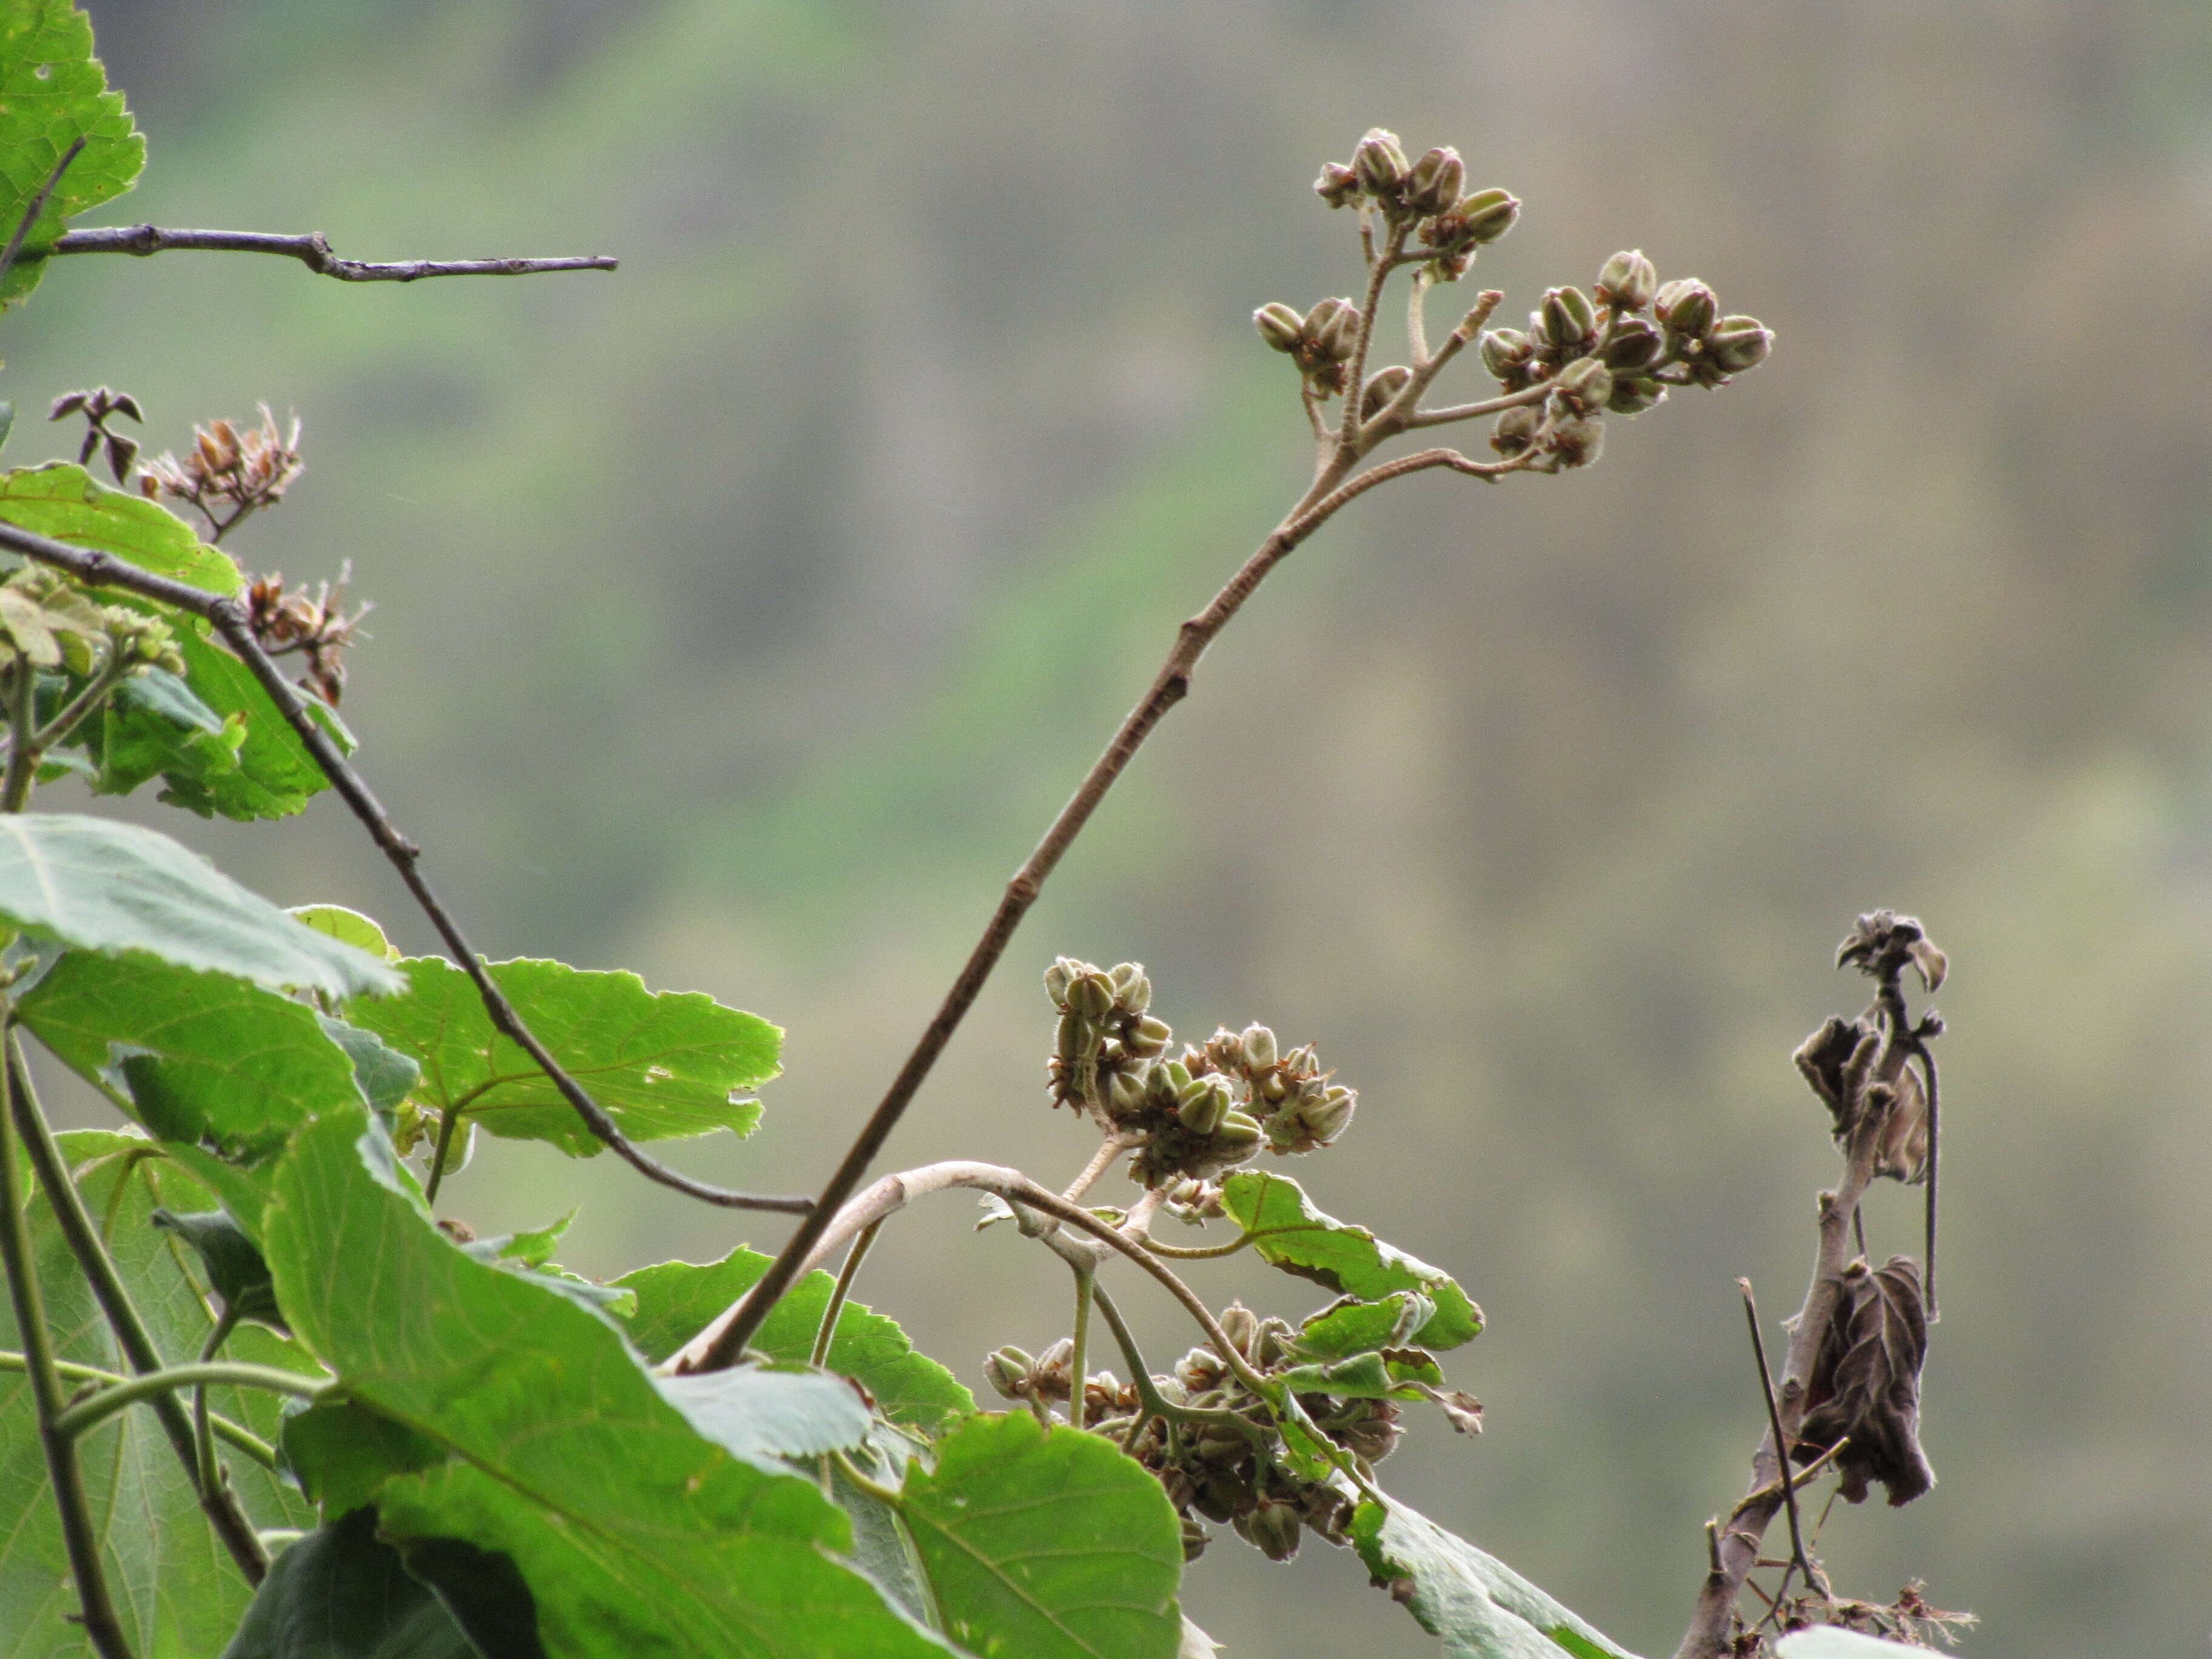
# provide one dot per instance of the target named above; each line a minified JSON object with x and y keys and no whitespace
{"x":742,"y":617}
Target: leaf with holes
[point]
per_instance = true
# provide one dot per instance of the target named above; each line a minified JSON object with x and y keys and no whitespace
{"x":664,"y":1064}
{"x":1046,"y":1544}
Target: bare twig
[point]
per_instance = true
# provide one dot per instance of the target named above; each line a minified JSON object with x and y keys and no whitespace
{"x":1935,"y":1155}
{"x":37,"y":206}
{"x":230,"y":1521}
{"x":104,"y":569}
{"x":1774,"y":1426}
{"x":312,"y":250}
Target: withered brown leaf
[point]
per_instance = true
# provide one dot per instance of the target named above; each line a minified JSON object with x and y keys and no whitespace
{"x":1866,"y":1384}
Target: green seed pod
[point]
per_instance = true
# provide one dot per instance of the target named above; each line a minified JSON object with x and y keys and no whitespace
{"x":1148,"y":1037}
{"x":1337,"y":185}
{"x":1329,"y":1116}
{"x":1383,"y":385}
{"x":1585,"y":383}
{"x":1433,"y":183}
{"x":1332,"y":329}
{"x":1380,"y":163}
{"x":1203,"y":1110}
{"x":1273,"y":1087}
{"x":1275,"y":1527}
{"x":1687,"y":308}
{"x":1091,"y":995}
{"x":1569,"y":318}
{"x":1739,"y":343}
{"x":1258,"y":1047}
{"x":1057,"y":978}
{"x":1072,"y":1040}
{"x":1487,"y":215}
{"x":1628,"y":281}
{"x":1178,"y":1075}
{"x":1516,"y":430}
{"x":1131,"y":990}
{"x":1236,"y":1138}
{"x":1194,"y":1540}
{"x":1274,"y":1343}
{"x":1240,"y":1325}
{"x":1632,"y":344}
{"x":1504,"y":350}
{"x":1125,"y":1096}
{"x":1578,"y":442}
{"x":1008,"y":1371}
{"x":1278,"y":326}
{"x":1635,"y":394}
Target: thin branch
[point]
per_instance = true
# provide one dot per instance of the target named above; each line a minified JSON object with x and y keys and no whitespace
{"x":80,"y":1542}
{"x":1101,"y":1161}
{"x":103,"y":569}
{"x":22,"y":751}
{"x":211,"y":1474}
{"x":221,"y":1507}
{"x":449,"y":1122}
{"x":243,"y":1438}
{"x":1934,"y":1153}
{"x":1774,"y":1426}
{"x":312,"y":250}
{"x":846,"y":1274}
{"x":1079,"y":1358}
{"x":1348,"y":446}
{"x":37,"y":206}
{"x":222,"y":1373}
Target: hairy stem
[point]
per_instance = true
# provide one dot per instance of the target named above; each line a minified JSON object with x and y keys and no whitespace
{"x":101,"y":1626}
{"x":231,"y":1373}
{"x":84,"y":1239}
{"x":827,"y":1332}
{"x":240,"y":1436}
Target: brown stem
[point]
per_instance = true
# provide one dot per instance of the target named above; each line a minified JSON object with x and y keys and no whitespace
{"x":312,"y":250}
{"x":1797,"y":1556}
{"x":103,"y":569}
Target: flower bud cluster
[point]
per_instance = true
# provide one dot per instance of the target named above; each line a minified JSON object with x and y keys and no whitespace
{"x":1195,"y":1113}
{"x":54,"y":624}
{"x":1427,"y":194}
{"x":1320,"y":342}
{"x":1227,"y":1471}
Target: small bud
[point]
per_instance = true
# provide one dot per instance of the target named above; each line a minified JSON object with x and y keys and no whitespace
{"x":1380,"y":163}
{"x":1148,"y":1037}
{"x":1632,"y":344}
{"x":1505,"y":350}
{"x":1008,"y":1371}
{"x":1433,"y":185}
{"x":1057,"y":978}
{"x":1241,"y":1327}
{"x":1487,"y":215}
{"x":1383,"y":385}
{"x":1332,"y":329}
{"x":1278,"y":326}
{"x":1258,"y":1047}
{"x":1585,"y":383}
{"x":1687,"y":308}
{"x":1628,"y":281}
{"x":1329,"y":1116}
{"x":1236,"y":1138}
{"x":1516,"y":430}
{"x":1634,"y":394}
{"x":1126,"y":1094}
{"x":1123,"y":978}
{"x":1569,"y":318}
{"x":1337,"y":185}
{"x":1578,"y":442}
{"x":1091,"y":995}
{"x":1739,"y":343}
{"x":1205,"y":1107}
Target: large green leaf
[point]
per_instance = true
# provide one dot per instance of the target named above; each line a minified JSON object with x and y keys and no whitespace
{"x":676,"y":1299}
{"x":53,"y":91}
{"x":1482,"y":1607}
{"x":634,"y":1532}
{"x":663,"y":1065}
{"x":275,"y":775}
{"x":1300,"y":1239}
{"x":179,"y":1594}
{"x":339,"y":1594}
{"x":61,"y":501}
{"x":195,"y":1057}
{"x":762,"y":1414}
{"x":94,"y":884}
{"x":1046,"y":1544}
{"x":341,"y":1452}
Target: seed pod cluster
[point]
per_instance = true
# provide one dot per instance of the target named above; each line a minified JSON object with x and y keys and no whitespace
{"x":1320,"y":342}
{"x":1103,"y":1027}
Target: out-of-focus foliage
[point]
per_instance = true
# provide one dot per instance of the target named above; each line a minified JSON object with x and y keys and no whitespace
{"x":743,"y":617}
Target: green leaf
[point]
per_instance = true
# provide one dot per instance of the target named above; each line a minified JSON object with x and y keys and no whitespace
{"x":341,"y":1451}
{"x":1046,"y":1544}
{"x":762,"y":1414}
{"x":1301,"y":1240}
{"x":197,"y":1058}
{"x":634,"y":1532}
{"x":339,"y":1594}
{"x":663,"y":1065}
{"x":1482,"y":1607}
{"x":1827,"y":1642}
{"x":1349,"y":1326}
{"x":676,"y":1300}
{"x":243,"y":1191}
{"x":94,"y":884}
{"x":355,"y":928}
{"x":381,"y":1072}
{"x":275,"y":776}
{"x":234,"y":1265}
{"x":178,"y":1592}
{"x":52,"y":92}
{"x":61,"y":501}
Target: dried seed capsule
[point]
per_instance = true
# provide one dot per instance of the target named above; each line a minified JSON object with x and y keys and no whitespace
{"x":1333,"y":339}
{"x":1383,"y":385}
{"x":1148,"y":1037}
{"x":1329,"y":1116}
{"x":1634,"y":394}
{"x":1337,"y":185}
{"x":1258,"y":1047}
{"x":1569,"y":319}
{"x":1628,"y":281}
{"x":1514,"y":431}
{"x":1632,"y":344}
{"x":1687,"y":308}
{"x":1275,"y":1527}
{"x":1433,"y":184}
{"x":1057,"y":978}
{"x":1072,"y":1040}
{"x":1585,"y":383}
{"x":1505,"y":350}
{"x":1487,"y":215}
{"x":1578,"y":442}
{"x":1280,"y":325}
{"x":1207,"y":1103}
{"x":1380,"y":163}
{"x":1739,"y":344}
{"x":1091,"y":995}
{"x":1125,"y":1096}
{"x":1240,"y":1325}
{"x":1121,"y":976}
{"x":1236,"y":1138}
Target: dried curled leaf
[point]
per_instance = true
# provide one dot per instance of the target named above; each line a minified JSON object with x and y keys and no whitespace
{"x":1883,"y":943}
{"x":1866,"y":1384}
{"x":1839,"y":1062}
